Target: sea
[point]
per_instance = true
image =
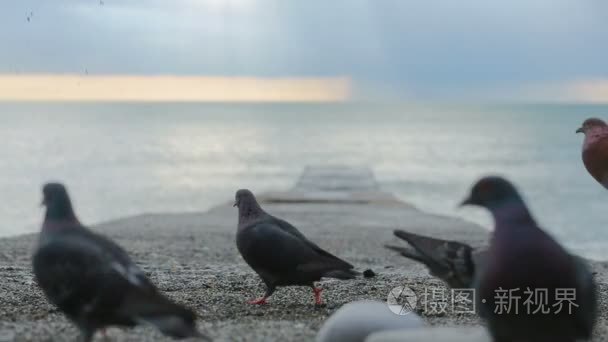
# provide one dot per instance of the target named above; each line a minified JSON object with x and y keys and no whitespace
{"x":121,"y":159}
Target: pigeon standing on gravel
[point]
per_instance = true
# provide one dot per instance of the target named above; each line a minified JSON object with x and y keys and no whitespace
{"x":279,"y":253}
{"x":525,"y":263}
{"x":595,"y":149}
{"x":453,"y":262}
{"x":94,"y":282}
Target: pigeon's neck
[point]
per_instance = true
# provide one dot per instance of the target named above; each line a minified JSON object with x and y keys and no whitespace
{"x":512,"y":215}
{"x":594,"y":135}
{"x":59,"y":216}
{"x":514,"y":226}
{"x":250,"y":212}
{"x":50,"y":226}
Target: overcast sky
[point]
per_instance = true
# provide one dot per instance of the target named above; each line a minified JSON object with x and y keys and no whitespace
{"x":419,"y":49}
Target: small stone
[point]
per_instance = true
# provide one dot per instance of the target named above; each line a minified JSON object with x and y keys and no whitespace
{"x":368,"y":273}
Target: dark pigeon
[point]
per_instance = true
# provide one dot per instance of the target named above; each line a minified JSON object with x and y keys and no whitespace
{"x":93,"y":281}
{"x":279,"y":253}
{"x":459,"y":265}
{"x":453,"y":262}
{"x":595,"y":149}
{"x":522,"y":257}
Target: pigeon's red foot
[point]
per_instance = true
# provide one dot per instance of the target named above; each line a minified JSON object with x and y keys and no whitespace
{"x":258,"y":301}
{"x":317,"y":291}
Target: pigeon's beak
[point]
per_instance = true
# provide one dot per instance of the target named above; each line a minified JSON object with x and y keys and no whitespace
{"x":236,"y":203}
{"x":580,"y":130}
{"x":466,"y":201}
{"x":43,"y":202}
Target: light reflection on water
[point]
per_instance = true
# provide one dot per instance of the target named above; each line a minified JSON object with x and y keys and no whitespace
{"x":124,"y":159}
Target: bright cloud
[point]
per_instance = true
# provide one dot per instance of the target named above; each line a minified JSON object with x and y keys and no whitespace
{"x":172,"y":88}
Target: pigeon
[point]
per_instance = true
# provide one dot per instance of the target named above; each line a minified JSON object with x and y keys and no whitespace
{"x":595,"y":149}
{"x":453,"y":262}
{"x":93,"y":281}
{"x":456,"y":263}
{"x":524,"y":263}
{"x":461,"y":266}
{"x":280,"y":254}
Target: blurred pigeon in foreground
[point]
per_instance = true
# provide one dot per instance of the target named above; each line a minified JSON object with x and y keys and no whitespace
{"x":93,"y":280}
{"x":457,"y":263}
{"x":530,"y":288}
{"x":355,"y":321}
{"x":279,"y":253}
{"x":595,"y":149}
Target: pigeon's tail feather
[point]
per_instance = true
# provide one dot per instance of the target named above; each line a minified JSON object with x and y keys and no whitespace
{"x":450,"y":261}
{"x":342,"y":274}
{"x":170,"y":318}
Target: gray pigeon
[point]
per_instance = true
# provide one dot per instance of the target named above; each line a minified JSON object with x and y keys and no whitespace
{"x":526,"y":265}
{"x":453,"y":262}
{"x":93,"y":281}
{"x":279,"y":253}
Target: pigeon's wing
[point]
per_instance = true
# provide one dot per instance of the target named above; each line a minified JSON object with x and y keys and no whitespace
{"x":87,"y":275}
{"x":290,"y":229}
{"x":270,"y":250}
{"x":586,"y":313}
{"x":121,"y":262}
{"x":81,"y":278}
{"x":451,"y":261}
{"x":595,"y":158}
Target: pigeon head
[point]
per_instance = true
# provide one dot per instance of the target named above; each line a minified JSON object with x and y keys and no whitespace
{"x":492,"y":192}
{"x":57,"y":201}
{"x":590,"y":125}
{"x":247,"y":204}
{"x":242,"y":197}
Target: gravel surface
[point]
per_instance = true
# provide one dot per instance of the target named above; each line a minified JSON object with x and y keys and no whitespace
{"x":193,"y":258}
